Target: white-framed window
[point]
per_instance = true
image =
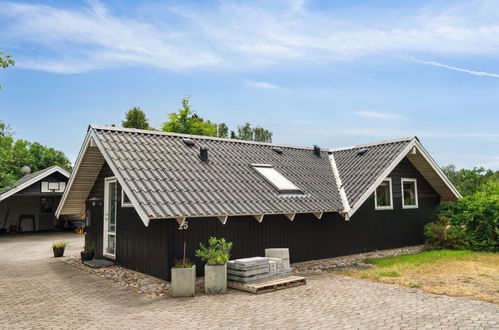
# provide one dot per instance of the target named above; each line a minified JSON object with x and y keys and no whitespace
{"x":110,"y":217}
{"x":276,"y":179}
{"x":383,"y":196}
{"x":409,"y":193}
{"x":125,"y":201}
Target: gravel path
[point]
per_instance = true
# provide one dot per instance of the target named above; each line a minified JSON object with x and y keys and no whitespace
{"x":37,"y":291}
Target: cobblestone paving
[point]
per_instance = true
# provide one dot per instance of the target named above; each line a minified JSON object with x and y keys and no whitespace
{"x":39,"y":292}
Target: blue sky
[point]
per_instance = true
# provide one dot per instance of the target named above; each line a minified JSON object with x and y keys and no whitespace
{"x":332,"y":73}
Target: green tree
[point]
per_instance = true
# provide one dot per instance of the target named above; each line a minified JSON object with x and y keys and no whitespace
{"x":186,"y":121}
{"x":6,"y":61}
{"x":135,"y":118}
{"x":16,"y":153}
{"x":260,"y":134}
{"x":245,"y":132}
{"x":469,"y":181}
{"x":223,"y":130}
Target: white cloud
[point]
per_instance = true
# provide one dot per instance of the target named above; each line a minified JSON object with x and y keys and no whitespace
{"x":454,"y":68}
{"x":238,"y":35}
{"x":92,"y":38}
{"x":264,"y":85}
{"x":380,"y":115}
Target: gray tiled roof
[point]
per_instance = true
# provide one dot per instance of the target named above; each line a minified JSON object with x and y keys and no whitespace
{"x":359,"y":172}
{"x":169,"y":180}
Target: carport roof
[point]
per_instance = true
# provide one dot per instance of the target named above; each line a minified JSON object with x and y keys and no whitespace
{"x":30,"y":179}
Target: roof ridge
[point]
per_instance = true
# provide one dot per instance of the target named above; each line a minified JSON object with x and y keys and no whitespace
{"x":406,"y":139}
{"x":202,"y":137}
{"x":213,"y":138}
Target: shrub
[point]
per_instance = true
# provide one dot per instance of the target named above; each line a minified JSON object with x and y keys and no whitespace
{"x":60,"y":244}
{"x":476,"y":216}
{"x":442,"y":235}
{"x":89,"y":247}
{"x":217,"y":252}
{"x":182,"y":263}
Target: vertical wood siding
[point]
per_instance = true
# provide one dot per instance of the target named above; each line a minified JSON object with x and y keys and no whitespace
{"x":153,"y":249}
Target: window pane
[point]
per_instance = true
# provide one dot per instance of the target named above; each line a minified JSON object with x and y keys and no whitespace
{"x":383,"y":194}
{"x":111,"y":240}
{"x":126,"y":200}
{"x":112,"y":207}
{"x":409,"y":193}
{"x":277,"y":179}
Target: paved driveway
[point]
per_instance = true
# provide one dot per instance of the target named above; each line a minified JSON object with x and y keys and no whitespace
{"x":37,"y":291}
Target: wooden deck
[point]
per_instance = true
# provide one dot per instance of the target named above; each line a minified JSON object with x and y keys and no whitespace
{"x":268,"y":286}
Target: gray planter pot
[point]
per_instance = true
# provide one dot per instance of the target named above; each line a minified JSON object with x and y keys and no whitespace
{"x":184,"y":282}
{"x":215,"y":278}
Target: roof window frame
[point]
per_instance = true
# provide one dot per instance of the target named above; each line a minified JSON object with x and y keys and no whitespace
{"x":280,"y":190}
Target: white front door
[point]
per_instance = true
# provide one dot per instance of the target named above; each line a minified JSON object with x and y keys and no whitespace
{"x":110,"y":205}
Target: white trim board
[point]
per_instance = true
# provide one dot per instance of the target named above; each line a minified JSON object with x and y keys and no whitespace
{"x":33,"y":180}
{"x":339,"y":184}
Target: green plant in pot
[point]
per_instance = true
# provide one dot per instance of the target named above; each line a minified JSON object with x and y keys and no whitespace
{"x":216,"y":254}
{"x":88,"y":251}
{"x":58,"y":248}
{"x":183,"y":277}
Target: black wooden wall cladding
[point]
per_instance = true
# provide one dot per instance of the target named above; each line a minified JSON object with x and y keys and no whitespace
{"x":153,"y":249}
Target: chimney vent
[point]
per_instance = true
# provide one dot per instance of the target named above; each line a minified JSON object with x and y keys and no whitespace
{"x":361,"y":151}
{"x":317,"y":150}
{"x":203,"y":153}
{"x":277,"y":150}
{"x":188,"y":142}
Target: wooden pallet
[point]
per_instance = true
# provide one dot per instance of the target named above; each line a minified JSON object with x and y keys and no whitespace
{"x":273,"y":285}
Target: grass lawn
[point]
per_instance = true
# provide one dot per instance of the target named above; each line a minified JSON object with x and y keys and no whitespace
{"x":467,"y":274}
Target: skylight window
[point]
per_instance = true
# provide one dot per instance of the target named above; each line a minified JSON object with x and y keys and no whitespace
{"x":276,"y":179}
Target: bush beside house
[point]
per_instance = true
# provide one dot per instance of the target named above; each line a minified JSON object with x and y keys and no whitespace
{"x":471,"y":222}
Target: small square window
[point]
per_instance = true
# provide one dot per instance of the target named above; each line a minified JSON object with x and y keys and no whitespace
{"x":409,"y":193}
{"x":276,"y":179}
{"x":383,"y":195}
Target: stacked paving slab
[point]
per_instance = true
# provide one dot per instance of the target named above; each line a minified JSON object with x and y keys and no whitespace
{"x":274,"y":265}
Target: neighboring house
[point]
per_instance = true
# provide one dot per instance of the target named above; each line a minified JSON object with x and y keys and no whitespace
{"x":30,"y":204}
{"x":144,"y":193}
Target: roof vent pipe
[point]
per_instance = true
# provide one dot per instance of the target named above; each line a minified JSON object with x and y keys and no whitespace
{"x":317,"y":150}
{"x":203,"y":153}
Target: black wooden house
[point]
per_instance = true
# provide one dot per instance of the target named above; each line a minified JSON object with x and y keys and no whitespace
{"x":143,"y":193}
